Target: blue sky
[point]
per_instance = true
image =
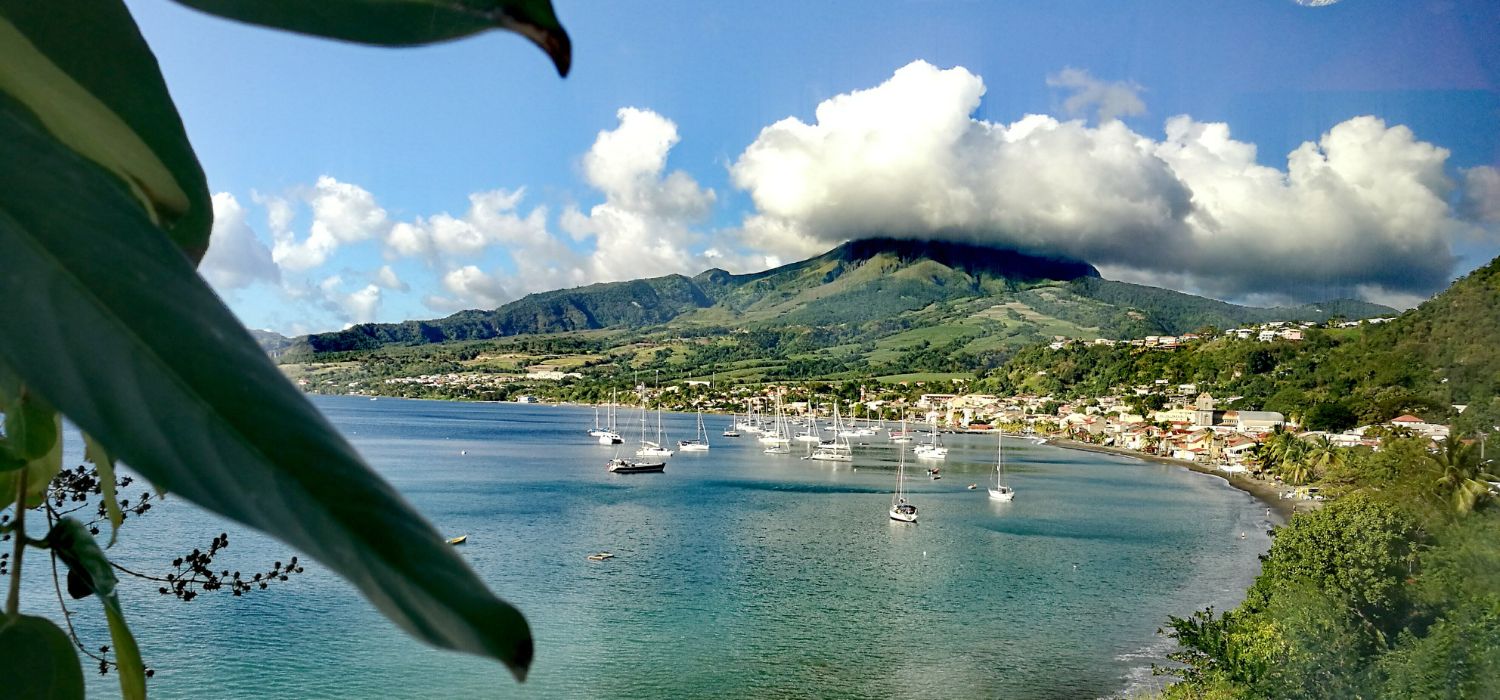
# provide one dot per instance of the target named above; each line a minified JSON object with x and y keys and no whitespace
{"x":361,"y":184}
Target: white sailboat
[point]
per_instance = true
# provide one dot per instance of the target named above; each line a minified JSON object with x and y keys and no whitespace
{"x":1000,"y":491}
{"x":610,"y":434}
{"x":751,"y":424}
{"x":810,"y":429}
{"x":649,"y":448}
{"x":836,"y":450}
{"x":620,"y":465}
{"x":934,"y":449}
{"x":598,"y":429}
{"x":699,"y":443}
{"x":902,"y":436}
{"x":779,"y":435}
{"x":901,"y":509}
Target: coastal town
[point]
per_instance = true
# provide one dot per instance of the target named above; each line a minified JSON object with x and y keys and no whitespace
{"x":1160,"y":419}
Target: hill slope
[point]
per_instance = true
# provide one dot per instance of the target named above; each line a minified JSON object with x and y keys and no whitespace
{"x":862,"y":290}
{"x":1427,"y":361}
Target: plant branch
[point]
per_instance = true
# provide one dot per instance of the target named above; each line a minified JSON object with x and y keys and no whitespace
{"x":13,"y":600}
{"x":68,"y":616}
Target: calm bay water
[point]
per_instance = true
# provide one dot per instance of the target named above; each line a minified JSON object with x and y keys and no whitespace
{"x":739,"y":574}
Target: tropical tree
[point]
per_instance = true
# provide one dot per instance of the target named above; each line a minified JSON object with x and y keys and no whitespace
{"x":1284,"y":454}
{"x":1324,"y":457}
{"x":1462,"y":479}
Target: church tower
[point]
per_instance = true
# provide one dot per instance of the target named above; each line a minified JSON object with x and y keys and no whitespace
{"x":1203,"y":413}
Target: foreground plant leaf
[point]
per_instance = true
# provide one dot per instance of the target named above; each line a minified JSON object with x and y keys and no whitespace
{"x":91,"y":79}
{"x":40,"y":470}
{"x":404,"y":22}
{"x":73,"y":544}
{"x":37,"y":660}
{"x":109,"y":323}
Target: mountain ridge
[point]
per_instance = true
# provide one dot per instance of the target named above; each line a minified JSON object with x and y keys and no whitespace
{"x":884,"y":283}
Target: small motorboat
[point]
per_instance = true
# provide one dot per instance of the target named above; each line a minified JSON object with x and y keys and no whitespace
{"x":458,"y":540}
{"x":600,"y":556}
{"x":973,"y":486}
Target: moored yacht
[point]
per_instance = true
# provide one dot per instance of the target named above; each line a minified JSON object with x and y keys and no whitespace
{"x":901,"y":509}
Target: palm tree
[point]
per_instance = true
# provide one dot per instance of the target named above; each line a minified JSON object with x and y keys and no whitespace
{"x":1283,"y":447}
{"x":1296,"y":471}
{"x":1324,"y":456}
{"x":1462,"y":478}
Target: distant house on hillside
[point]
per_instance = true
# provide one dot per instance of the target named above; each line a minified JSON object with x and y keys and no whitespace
{"x":1421,"y":427}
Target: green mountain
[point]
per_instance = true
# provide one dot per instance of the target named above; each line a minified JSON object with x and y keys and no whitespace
{"x":862,"y":291}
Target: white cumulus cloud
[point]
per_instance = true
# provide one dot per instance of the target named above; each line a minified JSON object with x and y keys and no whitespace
{"x":236,"y":257}
{"x":341,"y":213}
{"x":1363,"y":208}
{"x":644,"y":227}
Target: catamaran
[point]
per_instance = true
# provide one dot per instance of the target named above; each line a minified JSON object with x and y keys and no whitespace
{"x":901,"y":510}
{"x":699,"y":443}
{"x":1000,"y":491}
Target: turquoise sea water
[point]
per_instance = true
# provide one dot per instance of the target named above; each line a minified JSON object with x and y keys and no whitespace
{"x":738,"y":574}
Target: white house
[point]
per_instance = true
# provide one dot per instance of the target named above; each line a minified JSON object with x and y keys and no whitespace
{"x":1258,"y":421}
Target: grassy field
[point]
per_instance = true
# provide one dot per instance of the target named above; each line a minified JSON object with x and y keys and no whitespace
{"x":925,"y":377}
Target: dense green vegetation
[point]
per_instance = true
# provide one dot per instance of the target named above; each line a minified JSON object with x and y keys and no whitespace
{"x":1391,"y":591}
{"x":1443,"y":354}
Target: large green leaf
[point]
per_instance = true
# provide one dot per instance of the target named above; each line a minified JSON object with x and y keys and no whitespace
{"x":111,"y":325}
{"x":37,"y":660}
{"x":404,"y":22}
{"x":87,"y":74}
{"x":87,"y":563}
{"x":38,"y":471}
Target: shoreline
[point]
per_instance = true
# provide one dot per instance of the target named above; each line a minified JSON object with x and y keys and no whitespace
{"x":1265,"y":492}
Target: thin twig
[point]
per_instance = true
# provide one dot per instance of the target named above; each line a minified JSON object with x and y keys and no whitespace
{"x":61,"y":603}
{"x":13,"y":601}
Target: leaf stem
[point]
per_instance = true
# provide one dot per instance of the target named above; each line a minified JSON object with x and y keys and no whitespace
{"x":13,"y":600}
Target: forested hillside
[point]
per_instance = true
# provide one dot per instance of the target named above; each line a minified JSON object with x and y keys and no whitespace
{"x":1443,"y":354}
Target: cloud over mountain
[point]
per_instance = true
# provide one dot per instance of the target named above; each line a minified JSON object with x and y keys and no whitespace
{"x":1364,"y":208}
{"x":646,"y":224}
